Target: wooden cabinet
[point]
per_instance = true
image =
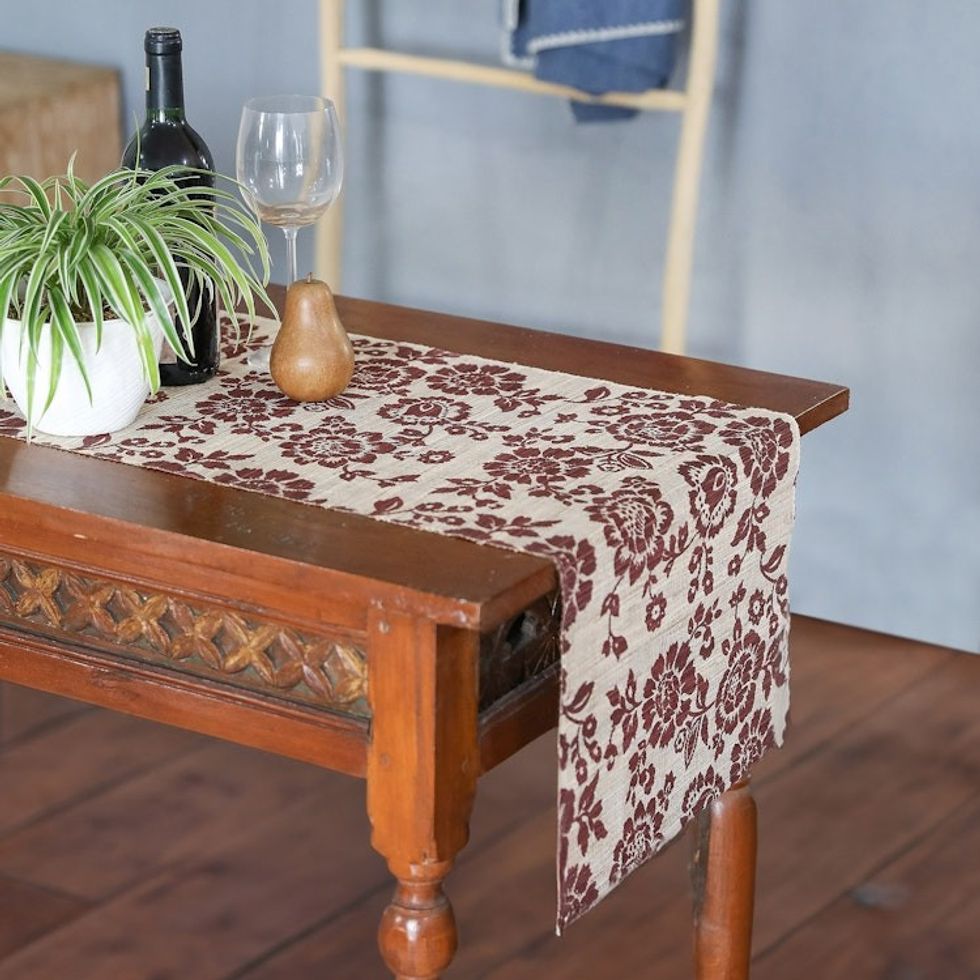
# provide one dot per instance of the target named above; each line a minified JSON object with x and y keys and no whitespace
{"x":49,"y":109}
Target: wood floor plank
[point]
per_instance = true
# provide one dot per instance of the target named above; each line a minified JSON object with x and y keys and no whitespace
{"x":190,"y":806}
{"x":829,"y":821}
{"x":344,"y":949}
{"x":204,"y":919}
{"x":916,"y":917}
{"x":839,"y":676}
{"x":23,"y":711}
{"x":76,"y":759}
{"x":229,"y":880}
{"x":27,"y":911}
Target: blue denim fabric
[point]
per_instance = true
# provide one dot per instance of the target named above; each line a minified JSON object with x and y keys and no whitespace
{"x":629,"y":64}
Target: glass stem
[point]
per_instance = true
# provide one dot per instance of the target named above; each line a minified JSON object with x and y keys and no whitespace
{"x":290,"y":234}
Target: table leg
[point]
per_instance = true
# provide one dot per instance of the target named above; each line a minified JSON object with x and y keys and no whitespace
{"x":423,"y":763}
{"x":723,"y":875}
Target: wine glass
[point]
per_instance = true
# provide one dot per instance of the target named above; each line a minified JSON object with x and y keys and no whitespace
{"x":290,"y":164}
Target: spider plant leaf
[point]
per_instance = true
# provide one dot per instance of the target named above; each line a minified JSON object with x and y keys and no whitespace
{"x":148,"y":356}
{"x":37,"y":194}
{"x":125,"y":235}
{"x":64,"y":332}
{"x":154,"y":298}
{"x":33,"y":299}
{"x":93,"y":290}
{"x":116,"y":285}
{"x":33,"y":330}
{"x":57,"y":355}
{"x":203,"y":268}
{"x":147,"y":351}
{"x":209,"y":244}
{"x":166,"y":266}
{"x":67,"y":280}
{"x":76,"y":187}
{"x":7,"y":285}
{"x":101,"y":189}
{"x":57,"y":219}
{"x":84,"y":235}
{"x":31,"y":385}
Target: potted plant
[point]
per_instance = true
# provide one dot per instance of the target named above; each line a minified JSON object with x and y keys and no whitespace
{"x":90,"y":283}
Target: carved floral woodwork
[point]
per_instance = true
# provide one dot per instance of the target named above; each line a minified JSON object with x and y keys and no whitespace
{"x":328,"y":670}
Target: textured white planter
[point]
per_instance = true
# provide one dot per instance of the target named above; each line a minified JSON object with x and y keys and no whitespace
{"x":115,"y":373}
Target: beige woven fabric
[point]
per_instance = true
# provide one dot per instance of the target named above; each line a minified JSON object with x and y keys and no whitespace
{"x":668,"y":518}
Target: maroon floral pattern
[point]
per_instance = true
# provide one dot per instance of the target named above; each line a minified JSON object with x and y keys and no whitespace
{"x":668,"y":694}
{"x":668,"y":518}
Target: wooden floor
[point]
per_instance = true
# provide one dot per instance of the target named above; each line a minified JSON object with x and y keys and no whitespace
{"x":129,"y":851}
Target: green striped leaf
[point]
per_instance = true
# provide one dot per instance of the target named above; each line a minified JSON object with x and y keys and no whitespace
{"x":116,"y":285}
{"x":166,"y":266}
{"x":93,"y":291}
{"x":150,"y":290}
{"x":37,"y":193}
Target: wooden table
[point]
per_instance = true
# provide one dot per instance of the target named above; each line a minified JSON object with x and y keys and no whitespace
{"x":414,"y":660}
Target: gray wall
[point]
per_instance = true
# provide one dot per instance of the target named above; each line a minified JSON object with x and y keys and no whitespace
{"x":839,"y":234}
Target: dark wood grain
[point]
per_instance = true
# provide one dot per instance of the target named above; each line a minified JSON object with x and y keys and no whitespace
{"x":888,"y":783}
{"x":916,"y":916}
{"x":811,"y":402}
{"x":826,"y":699}
{"x":723,"y":875}
{"x":27,"y":912}
{"x":43,"y":774}
{"x":251,"y":886}
{"x":22,"y":710}
{"x":422,"y":770}
{"x":189,"y":805}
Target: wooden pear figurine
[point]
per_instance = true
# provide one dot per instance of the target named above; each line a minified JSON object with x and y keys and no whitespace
{"x":312,"y":358}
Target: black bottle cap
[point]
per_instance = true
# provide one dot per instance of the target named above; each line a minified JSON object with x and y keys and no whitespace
{"x":162,"y":40}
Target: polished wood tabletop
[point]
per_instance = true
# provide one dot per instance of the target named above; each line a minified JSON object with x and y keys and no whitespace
{"x":295,"y":628}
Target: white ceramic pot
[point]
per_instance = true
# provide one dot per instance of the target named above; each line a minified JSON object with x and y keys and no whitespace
{"x":115,"y":373}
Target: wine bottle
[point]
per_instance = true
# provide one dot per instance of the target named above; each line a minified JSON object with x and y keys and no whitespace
{"x":164,"y":139}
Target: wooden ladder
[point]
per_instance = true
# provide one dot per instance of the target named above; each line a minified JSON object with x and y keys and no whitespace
{"x":693,"y":102}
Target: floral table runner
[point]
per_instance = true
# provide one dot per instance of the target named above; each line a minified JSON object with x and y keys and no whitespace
{"x":668,"y":518}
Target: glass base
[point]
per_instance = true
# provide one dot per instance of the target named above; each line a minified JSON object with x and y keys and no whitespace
{"x":258,"y":358}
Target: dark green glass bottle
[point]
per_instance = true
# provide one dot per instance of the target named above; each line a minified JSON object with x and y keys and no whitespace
{"x":164,"y":139}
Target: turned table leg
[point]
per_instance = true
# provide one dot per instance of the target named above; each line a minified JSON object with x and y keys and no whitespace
{"x":417,"y":936}
{"x":423,"y":763}
{"x":723,"y":875}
